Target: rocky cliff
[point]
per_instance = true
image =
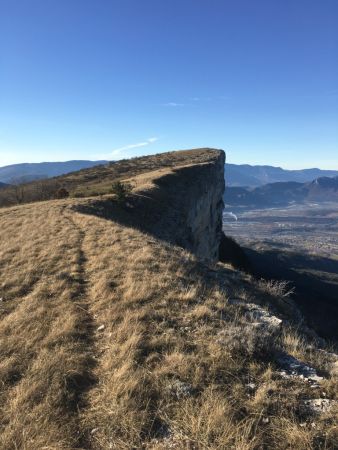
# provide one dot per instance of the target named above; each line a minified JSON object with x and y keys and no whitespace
{"x":198,"y":206}
{"x":180,"y":202}
{"x":186,"y":203}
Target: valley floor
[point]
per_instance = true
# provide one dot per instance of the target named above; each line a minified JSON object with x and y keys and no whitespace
{"x":300,"y":244}
{"x":113,"y":339}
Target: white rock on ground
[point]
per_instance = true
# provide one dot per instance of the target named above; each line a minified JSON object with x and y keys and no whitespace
{"x":317,"y":406}
{"x":180,"y":389}
{"x":258,"y":316}
{"x":293,"y":368}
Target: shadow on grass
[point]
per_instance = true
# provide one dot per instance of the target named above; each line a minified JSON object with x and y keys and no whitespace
{"x":163,"y":209}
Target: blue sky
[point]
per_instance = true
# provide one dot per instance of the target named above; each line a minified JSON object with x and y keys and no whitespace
{"x":107,"y":79}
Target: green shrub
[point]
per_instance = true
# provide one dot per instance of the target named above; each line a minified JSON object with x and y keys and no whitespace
{"x":121,"y":191}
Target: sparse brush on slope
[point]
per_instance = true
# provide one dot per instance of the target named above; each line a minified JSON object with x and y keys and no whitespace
{"x":121,"y":191}
{"x":98,"y":180}
{"x":114,"y":339}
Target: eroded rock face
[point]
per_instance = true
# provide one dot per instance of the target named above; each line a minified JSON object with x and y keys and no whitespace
{"x":205,"y":210}
{"x":193,"y":196}
{"x":179,"y":199}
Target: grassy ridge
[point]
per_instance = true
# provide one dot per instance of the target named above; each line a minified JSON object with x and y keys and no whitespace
{"x":98,"y":180}
{"x":114,"y":339}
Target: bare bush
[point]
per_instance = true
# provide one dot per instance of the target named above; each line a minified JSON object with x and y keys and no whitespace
{"x":277,"y":288}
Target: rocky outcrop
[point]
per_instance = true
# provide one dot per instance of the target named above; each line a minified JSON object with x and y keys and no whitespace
{"x":189,"y":205}
{"x":293,"y":368}
{"x":177,"y":197}
{"x":203,"y":208}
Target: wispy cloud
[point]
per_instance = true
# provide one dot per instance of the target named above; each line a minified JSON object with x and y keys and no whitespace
{"x":173,"y":104}
{"x":118,"y":151}
{"x":123,"y":152}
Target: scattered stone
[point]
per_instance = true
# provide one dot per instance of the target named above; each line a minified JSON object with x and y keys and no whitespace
{"x":293,"y":368}
{"x":317,"y":406}
{"x":171,"y":442}
{"x":180,"y":389}
{"x":265,"y":420}
{"x":258,"y":316}
{"x":101,"y":328}
{"x":251,"y":387}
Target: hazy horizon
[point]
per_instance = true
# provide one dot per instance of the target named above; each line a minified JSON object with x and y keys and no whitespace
{"x":145,"y":154}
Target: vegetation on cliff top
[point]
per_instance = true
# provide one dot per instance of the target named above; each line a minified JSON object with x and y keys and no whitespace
{"x":98,"y":180}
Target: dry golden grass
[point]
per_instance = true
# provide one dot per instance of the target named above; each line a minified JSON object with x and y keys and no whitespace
{"x":98,"y":180}
{"x":112,"y":339}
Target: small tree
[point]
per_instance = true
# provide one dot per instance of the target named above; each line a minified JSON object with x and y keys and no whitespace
{"x":18,"y":190}
{"x":121,"y":191}
{"x":62,"y":193}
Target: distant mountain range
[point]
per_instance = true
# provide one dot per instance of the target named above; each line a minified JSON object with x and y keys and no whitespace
{"x":278,"y":194}
{"x":254,"y":176}
{"x":235,"y":174}
{"x":3,"y":185}
{"x":23,"y":173}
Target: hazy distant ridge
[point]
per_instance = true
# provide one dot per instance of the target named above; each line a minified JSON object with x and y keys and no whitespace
{"x":276,"y":194}
{"x":32,"y":171}
{"x":253,"y":176}
{"x":235,"y":174}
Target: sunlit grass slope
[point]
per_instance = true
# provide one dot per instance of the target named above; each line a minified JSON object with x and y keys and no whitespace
{"x":114,"y":339}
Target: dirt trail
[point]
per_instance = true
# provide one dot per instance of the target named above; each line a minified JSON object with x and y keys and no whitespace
{"x":47,"y":352}
{"x":82,"y":301}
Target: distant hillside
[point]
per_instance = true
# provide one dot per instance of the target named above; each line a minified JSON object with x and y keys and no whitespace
{"x":321,"y":189}
{"x":254,"y":176}
{"x":26,"y":172}
{"x":98,"y":180}
{"x":235,"y":174}
{"x":3,"y":185}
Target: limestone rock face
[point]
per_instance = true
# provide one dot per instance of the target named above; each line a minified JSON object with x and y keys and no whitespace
{"x":176,"y":196}
{"x":204,"y":212}
{"x":191,"y":199}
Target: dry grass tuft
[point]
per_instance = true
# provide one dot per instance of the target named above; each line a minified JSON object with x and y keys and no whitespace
{"x":111,"y":339}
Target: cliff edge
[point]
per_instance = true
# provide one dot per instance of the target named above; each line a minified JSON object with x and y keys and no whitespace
{"x":181,"y":203}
